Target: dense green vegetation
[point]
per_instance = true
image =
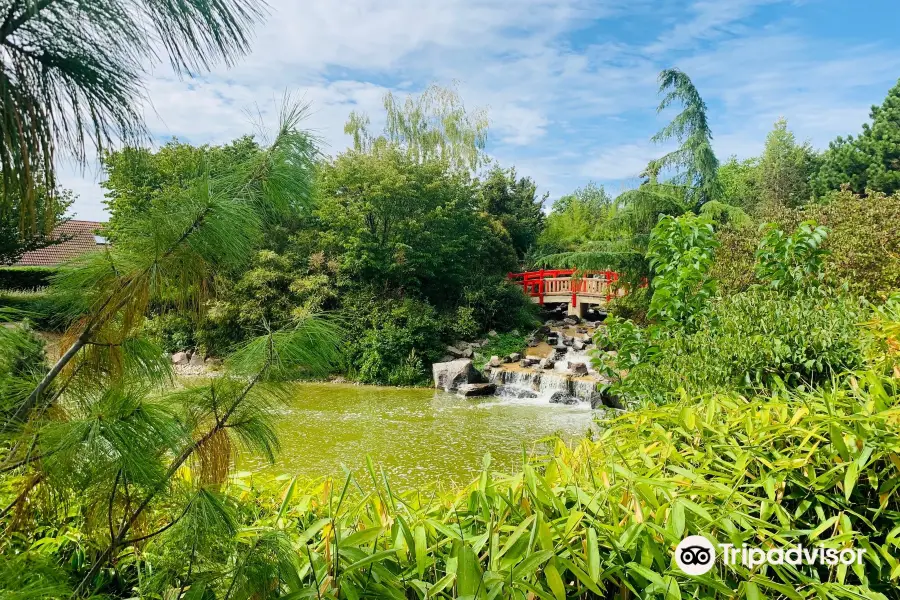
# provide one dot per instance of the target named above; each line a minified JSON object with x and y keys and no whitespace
{"x":756,"y":352}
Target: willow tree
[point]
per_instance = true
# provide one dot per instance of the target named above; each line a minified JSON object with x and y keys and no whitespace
{"x":70,"y":74}
{"x":435,"y":124}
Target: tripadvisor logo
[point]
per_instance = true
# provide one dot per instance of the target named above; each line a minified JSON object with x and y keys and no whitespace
{"x":696,"y":555}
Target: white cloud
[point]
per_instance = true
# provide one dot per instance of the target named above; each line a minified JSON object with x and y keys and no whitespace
{"x":570,"y":99}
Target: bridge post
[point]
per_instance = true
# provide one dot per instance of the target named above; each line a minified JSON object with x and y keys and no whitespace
{"x":541,"y":288}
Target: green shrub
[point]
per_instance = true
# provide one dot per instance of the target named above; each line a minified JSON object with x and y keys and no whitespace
{"x":48,"y":310}
{"x":681,"y":252}
{"x":392,"y":341}
{"x":753,"y":340}
{"x":863,"y":245}
{"x":171,"y":331}
{"x":25,"y":278}
{"x":792,"y":263}
{"x":502,"y":344}
{"x":734,"y":265}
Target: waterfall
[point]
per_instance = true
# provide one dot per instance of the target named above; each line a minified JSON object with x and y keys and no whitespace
{"x":540,"y":385}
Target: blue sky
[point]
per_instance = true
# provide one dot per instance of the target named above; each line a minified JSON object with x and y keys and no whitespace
{"x":570,"y":85}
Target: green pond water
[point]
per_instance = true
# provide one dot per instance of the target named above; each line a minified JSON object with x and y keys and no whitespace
{"x":420,"y":437}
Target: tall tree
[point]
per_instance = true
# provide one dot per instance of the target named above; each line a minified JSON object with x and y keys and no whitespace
{"x":870,"y":161}
{"x":785,"y":168}
{"x":577,"y":218}
{"x":515,"y":204}
{"x":435,"y":124}
{"x":70,"y":75}
{"x":694,"y":162}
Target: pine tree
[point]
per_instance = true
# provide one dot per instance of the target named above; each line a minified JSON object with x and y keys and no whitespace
{"x":871,"y":161}
{"x":785,"y":168}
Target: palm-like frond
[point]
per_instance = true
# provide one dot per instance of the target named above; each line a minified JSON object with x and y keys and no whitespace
{"x":70,"y":73}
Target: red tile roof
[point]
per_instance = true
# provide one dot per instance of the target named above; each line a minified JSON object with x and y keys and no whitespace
{"x":82,"y":239}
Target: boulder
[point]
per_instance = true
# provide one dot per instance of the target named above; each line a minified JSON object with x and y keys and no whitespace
{"x":469,"y":390}
{"x":563,"y":398}
{"x":530,"y":361}
{"x":454,"y":351}
{"x":578,"y":345}
{"x":180,"y":358}
{"x":544,"y":329}
{"x":578,"y":368}
{"x":571,"y":320}
{"x":547,"y":363}
{"x":492,"y":333}
{"x":495,"y":361}
{"x":450,"y":375}
{"x":603,"y":398}
{"x":532,"y":343}
{"x":515,"y":357}
{"x":213,"y":362}
{"x":468,"y":352}
{"x":196,"y":360}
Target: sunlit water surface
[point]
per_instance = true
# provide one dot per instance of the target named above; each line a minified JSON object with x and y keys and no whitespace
{"x":420,"y":437}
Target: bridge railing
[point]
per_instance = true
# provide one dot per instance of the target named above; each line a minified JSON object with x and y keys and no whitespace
{"x":556,"y":282}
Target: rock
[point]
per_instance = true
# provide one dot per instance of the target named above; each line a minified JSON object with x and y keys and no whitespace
{"x":469,"y":390}
{"x":196,"y":360}
{"x":571,"y":320}
{"x":513,"y":392}
{"x":514,"y":357}
{"x":603,"y":398}
{"x":533,"y":343}
{"x":213,"y":362}
{"x":495,"y":361}
{"x":566,"y":340}
{"x":515,"y":332}
{"x":447,"y":358}
{"x":544,"y":329}
{"x":547,"y":363}
{"x":578,"y":345}
{"x":530,"y":361}
{"x":467,"y":353}
{"x":492,"y":333}
{"x":450,"y":375}
{"x":581,"y":330}
{"x":180,"y":358}
{"x":563,"y":398}
{"x":454,"y":351}
{"x":578,"y":368}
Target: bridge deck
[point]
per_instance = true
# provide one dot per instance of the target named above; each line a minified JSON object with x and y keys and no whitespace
{"x":562,"y":285}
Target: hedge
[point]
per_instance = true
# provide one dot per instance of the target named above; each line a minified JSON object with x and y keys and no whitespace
{"x":25,"y":278}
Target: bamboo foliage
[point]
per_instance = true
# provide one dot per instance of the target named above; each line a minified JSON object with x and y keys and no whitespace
{"x":597,"y":519}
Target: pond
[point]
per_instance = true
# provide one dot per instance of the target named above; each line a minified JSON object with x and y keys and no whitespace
{"x":420,"y":437}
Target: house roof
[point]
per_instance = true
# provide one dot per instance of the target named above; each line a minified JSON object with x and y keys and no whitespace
{"x":83,"y":237}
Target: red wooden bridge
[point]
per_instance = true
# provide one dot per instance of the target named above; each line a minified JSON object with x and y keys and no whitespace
{"x":564,"y":286}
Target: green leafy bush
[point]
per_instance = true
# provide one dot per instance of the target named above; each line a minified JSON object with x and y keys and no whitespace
{"x":392,"y":341}
{"x":502,"y":344}
{"x":170,"y":331}
{"x":792,"y":263}
{"x":681,"y":252}
{"x":863,"y":248}
{"x":753,"y":340}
